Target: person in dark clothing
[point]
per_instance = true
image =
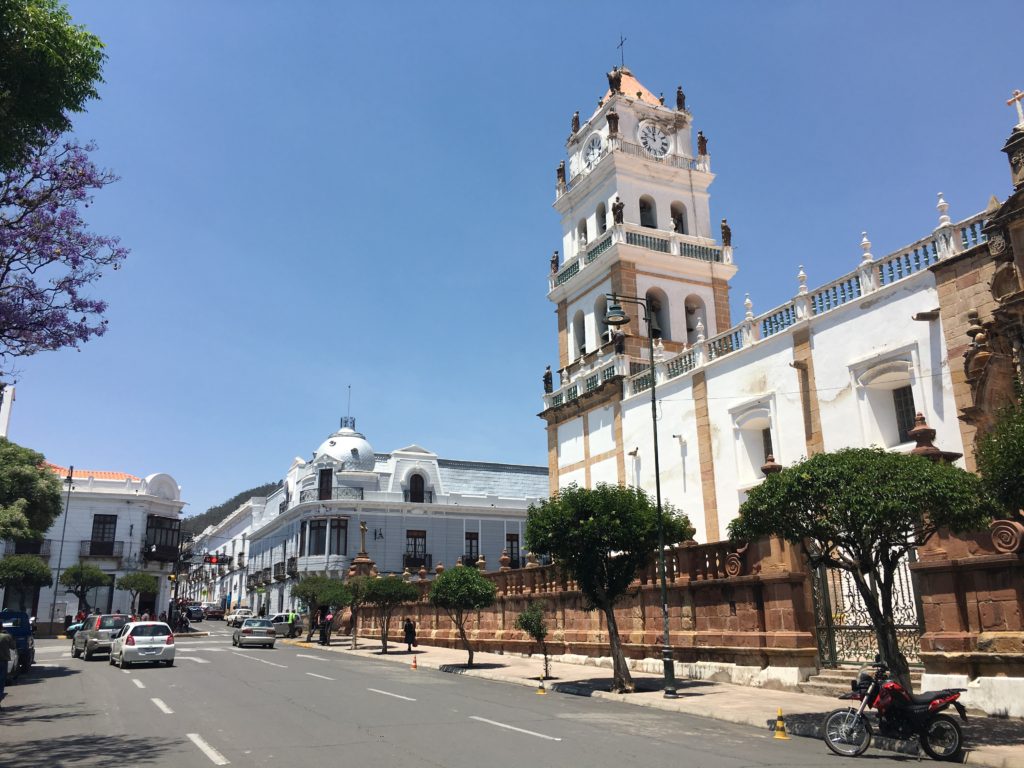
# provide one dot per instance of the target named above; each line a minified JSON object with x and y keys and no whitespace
{"x":409,"y":630}
{"x":325,"y":626}
{"x":7,"y":646}
{"x":314,"y":622}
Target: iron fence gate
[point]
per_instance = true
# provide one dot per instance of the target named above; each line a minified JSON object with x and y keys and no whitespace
{"x":844,"y":629}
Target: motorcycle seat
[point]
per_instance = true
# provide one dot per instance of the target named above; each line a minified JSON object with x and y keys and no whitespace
{"x":927,"y":697}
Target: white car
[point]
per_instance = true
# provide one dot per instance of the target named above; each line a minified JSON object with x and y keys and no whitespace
{"x":254,"y":632}
{"x":237,"y":616}
{"x":148,"y":642}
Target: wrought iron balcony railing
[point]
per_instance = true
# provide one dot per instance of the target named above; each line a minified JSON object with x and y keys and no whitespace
{"x":293,"y":566}
{"x":40,"y":548}
{"x":415,"y":562}
{"x":90,"y":548}
{"x":337,"y":493}
{"x":279,"y":572}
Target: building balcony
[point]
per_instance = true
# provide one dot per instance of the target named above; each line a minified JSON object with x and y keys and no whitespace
{"x":101,"y":549}
{"x":293,"y":566}
{"x":337,"y":493}
{"x":415,"y":562}
{"x":250,"y":583}
{"x":279,"y":571}
{"x":39,"y":548}
{"x":428,"y":497}
{"x":266,"y":576}
{"x":160,"y":553}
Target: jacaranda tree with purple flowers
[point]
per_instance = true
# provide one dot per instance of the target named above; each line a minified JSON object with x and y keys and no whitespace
{"x":48,"y":257}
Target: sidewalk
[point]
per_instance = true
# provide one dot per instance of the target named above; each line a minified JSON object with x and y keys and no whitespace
{"x":992,"y":742}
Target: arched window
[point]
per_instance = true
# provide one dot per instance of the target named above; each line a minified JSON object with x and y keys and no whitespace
{"x":648,"y":212}
{"x":602,"y":218}
{"x":578,"y":341}
{"x":660,"y":326}
{"x":694,"y":312}
{"x":679,"y":218}
{"x":416,"y":489}
{"x":600,"y":311}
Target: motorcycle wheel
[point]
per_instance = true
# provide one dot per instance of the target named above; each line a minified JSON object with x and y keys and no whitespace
{"x":942,"y":738}
{"x":847,"y":733}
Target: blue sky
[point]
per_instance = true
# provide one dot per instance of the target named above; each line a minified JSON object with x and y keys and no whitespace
{"x":324,"y":194}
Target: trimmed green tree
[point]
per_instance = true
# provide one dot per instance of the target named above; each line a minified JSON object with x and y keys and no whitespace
{"x":322,"y":592}
{"x":531,"y":621}
{"x":29,"y":493}
{"x":861,"y":510}
{"x":458,"y":592}
{"x":136,"y":584}
{"x":358,"y":586}
{"x":602,"y":537}
{"x":1001,"y":459}
{"x":23,"y":574}
{"x":48,"y":68}
{"x":80,"y":578}
{"x":386,"y":594}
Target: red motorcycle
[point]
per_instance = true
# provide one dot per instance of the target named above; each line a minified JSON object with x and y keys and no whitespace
{"x":901,"y":715}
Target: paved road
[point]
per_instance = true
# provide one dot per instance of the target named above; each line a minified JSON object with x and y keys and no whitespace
{"x":296,"y":707}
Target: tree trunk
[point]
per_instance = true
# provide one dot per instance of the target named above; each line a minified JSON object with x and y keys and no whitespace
{"x":544,"y":650}
{"x":623,"y":682}
{"x":460,"y":623}
{"x":385,"y":623}
{"x":880,"y":611}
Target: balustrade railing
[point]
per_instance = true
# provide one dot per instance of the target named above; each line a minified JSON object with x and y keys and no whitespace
{"x":90,"y":548}
{"x":40,"y":548}
{"x":339,"y":492}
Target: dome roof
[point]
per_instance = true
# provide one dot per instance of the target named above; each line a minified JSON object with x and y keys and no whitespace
{"x":349,"y":448}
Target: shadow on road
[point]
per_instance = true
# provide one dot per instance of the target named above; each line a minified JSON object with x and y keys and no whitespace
{"x":458,"y":669}
{"x":41,"y":674}
{"x":589,"y":686}
{"x":23,"y":714}
{"x":88,"y":750}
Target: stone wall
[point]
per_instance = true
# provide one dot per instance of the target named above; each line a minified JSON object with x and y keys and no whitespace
{"x":744,"y":609}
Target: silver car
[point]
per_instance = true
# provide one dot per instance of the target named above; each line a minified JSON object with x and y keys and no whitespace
{"x":281,"y":626}
{"x":255,"y":632}
{"x":149,"y":642}
{"x":94,"y":636}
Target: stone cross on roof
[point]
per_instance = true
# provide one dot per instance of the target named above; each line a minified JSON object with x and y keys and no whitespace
{"x":1015,"y":99}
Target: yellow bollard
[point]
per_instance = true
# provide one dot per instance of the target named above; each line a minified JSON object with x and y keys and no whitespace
{"x":780,"y":726}
{"x":540,"y":688}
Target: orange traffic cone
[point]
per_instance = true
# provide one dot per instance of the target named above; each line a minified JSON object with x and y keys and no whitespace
{"x":780,"y":726}
{"x":414,"y":662}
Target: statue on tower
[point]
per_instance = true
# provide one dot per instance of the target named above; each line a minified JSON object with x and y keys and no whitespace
{"x":726,"y":234}
{"x":560,"y":174}
{"x":554,"y":262}
{"x":619,"y":341}
{"x":618,"y":208}
{"x":702,"y":144}
{"x":615,"y":81}
{"x":613,"y":123}
{"x":575,"y":123}
{"x":680,"y":99}
{"x":547,"y":380}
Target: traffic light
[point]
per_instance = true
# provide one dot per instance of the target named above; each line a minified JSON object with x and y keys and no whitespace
{"x":211,"y":559}
{"x":172,"y":577}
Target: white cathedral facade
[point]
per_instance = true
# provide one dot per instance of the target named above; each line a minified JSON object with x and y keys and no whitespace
{"x":845,"y":364}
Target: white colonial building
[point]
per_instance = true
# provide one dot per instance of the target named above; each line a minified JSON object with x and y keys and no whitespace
{"x":116,"y":521}
{"x":845,"y":364}
{"x":419,"y":511}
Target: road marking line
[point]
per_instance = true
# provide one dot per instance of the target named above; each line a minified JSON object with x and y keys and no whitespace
{"x":162,"y":707}
{"x":47,"y":666}
{"x":138,"y":683}
{"x":215,"y":757}
{"x":65,"y":655}
{"x":322,"y":677}
{"x":261,"y":661}
{"x":385,"y":693}
{"x":513,"y":728}
{"x":126,"y":671}
{"x":307,"y":656}
{"x":196,"y":659}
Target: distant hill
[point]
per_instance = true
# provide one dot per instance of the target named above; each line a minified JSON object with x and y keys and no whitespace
{"x":198,"y":523}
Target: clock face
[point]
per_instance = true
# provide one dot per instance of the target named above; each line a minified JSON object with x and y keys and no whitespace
{"x":592,"y":151}
{"x":653,"y":139}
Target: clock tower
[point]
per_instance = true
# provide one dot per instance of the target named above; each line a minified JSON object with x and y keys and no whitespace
{"x":636,"y":222}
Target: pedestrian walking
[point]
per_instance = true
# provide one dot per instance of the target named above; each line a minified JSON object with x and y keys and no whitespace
{"x":325,"y":627}
{"x":314,"y":622}
{"x":291,"y":623}
{"x":6,"y":646}
{"x":409,"y":630}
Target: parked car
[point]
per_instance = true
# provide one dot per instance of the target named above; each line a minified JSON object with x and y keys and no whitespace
{"x":195,"y":612}
{"x":19,"y":624}
{"x":236,"y":617}
{"x":94,"y":636}
{"x":281,"y":626}
{"x":213,"y":610}
{"x":255,"y":632}
{"x":148,"y":642}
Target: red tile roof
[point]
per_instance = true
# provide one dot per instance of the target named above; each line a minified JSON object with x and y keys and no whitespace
{"x":99,"y":474}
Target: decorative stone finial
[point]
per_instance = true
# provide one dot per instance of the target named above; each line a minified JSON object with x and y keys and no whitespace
{"x":700,"y":330}
{"x":749,"y":306}
{"x":406,"y":574}
{"x":865,"y":245}
{"x":923,"y":435}
{"x":531,"y":560}
{"x":439,"y":569}
{"x":481,"y":564}
{"x":458,"y":561}
{"x":505,"y":560}
{"x":1015,"y":100}
{"x":942,"y":207}
{"x":661,"y":98}
{"x":801,"y":277}
{"x":770,"y":467}
{"x":423,"y":573}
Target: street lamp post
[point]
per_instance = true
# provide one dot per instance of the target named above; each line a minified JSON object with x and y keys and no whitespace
{"x":60,"y":551}
{"x":616,"y":316}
